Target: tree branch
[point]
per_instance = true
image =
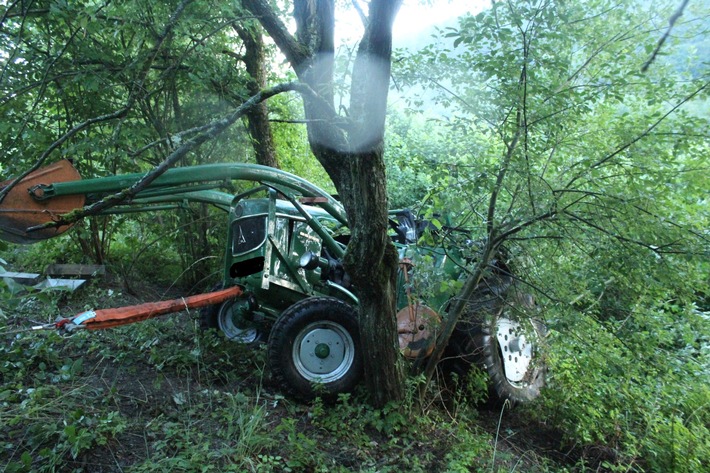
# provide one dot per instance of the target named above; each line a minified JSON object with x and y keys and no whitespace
{"x":292,"y":49}
{"x":499,"y":183}
{"x":637,"y":138}
{"x":360,"y":12}
{"x":671,"y":22}
{"x":214,"y":129}
{"x":656,"y":249}
{"x":58,"y":143}
{"x":43,"y":86}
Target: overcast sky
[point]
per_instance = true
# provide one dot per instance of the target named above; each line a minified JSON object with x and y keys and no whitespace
{"x":413,"y":18}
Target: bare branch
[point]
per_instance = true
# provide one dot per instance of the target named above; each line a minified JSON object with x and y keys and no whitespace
{"x":59,"y":142}
{"x":214,"y":129}
{"x":233,"y":55}
{"x":671,"y":22}
{"x":172,"y":137}
{"x":360,"y":12}
{"x":292,"y":49}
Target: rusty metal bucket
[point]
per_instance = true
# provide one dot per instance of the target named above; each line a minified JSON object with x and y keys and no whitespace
{"x":20,"y":211}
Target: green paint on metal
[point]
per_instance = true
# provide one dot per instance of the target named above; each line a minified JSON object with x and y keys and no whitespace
{"x":284,"y":182}
{"x":322,"y":351}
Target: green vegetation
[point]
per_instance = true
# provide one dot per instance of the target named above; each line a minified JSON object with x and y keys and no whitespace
{"x":546,"y":134}
{"x":163,"y":396}
{"x":600,"y":172}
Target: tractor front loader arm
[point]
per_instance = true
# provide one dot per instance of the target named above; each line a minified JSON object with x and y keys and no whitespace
{"x":52,"y":191}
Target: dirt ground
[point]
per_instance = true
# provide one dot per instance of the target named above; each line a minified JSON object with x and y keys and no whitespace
{"x":148,"y":395}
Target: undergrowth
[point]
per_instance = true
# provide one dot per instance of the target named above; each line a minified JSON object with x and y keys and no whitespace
{"x":162,"y":396}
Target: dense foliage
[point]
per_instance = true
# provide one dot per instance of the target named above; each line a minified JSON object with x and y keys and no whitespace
{"x":599,"y":171}
{"x":118,"y":86}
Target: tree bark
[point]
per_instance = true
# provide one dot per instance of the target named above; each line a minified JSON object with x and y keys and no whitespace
{"x":351,"y":151}
{"x":258,"y":116}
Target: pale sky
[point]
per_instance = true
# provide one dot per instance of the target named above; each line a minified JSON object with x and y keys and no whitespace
{"x":414,"y":17}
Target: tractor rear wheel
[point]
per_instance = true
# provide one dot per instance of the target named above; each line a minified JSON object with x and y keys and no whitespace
{"x":498,"y":334}
{"x":510,"y":354}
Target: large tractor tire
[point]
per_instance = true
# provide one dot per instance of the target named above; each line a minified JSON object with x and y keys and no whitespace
{"x":314,"y":348}
{"x":499,"y":334}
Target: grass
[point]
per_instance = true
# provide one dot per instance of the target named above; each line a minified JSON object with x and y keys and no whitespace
{"x":162,"y":396}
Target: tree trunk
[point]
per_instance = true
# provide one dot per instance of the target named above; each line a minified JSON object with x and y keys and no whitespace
{"x":351,"y":151}
{"x":258,"y":116}
{"x":371,"y":260}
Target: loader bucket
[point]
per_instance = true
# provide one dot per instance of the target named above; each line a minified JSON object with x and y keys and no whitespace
{"x":20,"y":211}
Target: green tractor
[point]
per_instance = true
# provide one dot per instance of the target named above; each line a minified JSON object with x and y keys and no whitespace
{"x":284,"y":282}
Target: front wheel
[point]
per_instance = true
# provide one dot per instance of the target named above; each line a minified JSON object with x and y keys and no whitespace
{"x":234,"y":318}
{"x":314,"y":348}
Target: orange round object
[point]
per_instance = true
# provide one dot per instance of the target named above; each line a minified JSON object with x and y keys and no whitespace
{"x":20,"y":211}
{"x":416,"y":328}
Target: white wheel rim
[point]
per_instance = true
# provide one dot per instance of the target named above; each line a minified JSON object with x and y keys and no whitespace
{"x":516,"y":350}
{"x":323,"y":352}
{"x":232,"y":324}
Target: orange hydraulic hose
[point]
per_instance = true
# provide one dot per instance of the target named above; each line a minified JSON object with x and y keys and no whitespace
{"x":107,"y":318}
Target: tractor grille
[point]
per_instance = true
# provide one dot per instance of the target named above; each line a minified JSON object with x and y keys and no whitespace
{"x":247,"y":234}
